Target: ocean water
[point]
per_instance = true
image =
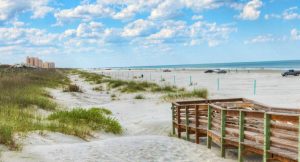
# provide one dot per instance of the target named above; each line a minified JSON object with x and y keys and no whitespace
{"x":276,"y":65}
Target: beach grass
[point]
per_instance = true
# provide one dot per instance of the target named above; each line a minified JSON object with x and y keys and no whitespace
{"x":72,"y":88}
{"x":196,"y":93}
{"x":91,"y":119}
{"x":125,"y":86}
{"x":139,"y":97}
{"x":23,"y":97}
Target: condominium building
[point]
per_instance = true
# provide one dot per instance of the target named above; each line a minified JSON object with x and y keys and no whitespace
{"x":38,"y":63}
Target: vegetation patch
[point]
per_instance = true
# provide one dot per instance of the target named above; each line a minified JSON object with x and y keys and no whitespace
{"x":98,"y":88}
{"x":139,"y":97}
{"x":22,"y":93}
{"x":72,"y":88}
{"x":196,"y":93}
{"x":83,"y":121}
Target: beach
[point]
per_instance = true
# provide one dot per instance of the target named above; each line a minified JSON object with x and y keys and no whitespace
{"x":147,"y":123}
{"x":271,"y":88}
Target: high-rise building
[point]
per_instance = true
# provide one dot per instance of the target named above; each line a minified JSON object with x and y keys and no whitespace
{"x":38,"y":63}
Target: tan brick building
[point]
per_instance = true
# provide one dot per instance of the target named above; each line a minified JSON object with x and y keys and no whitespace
{"x":38,"y":63}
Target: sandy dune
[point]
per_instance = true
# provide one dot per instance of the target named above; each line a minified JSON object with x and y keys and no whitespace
{"x":146,"y":124}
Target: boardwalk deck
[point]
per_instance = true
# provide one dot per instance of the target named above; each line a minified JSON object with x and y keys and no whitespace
{"x":242,"y":124}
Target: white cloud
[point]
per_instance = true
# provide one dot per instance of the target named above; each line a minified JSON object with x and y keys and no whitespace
{"x":166,"y":9}
{"x":265,"y":39}
{"x":251,"y":10}
{"x":295,"y":34}
{"x":288,"y":14}
{"x":139,"y":27}
{"x":11,"y":8}
{"x":261,"y":39}
{"x":211,"y":33}
{"x":26,"y":37}
{"x":85,"y":12}
{"x":197,"y":17}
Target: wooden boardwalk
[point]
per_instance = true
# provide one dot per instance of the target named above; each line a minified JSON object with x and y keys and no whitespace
{"x":242,"y":124}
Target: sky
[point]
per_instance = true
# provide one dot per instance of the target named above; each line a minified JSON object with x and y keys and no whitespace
{"x":117,"y":33}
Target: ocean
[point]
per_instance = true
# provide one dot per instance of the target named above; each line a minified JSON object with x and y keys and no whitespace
{"x":272,"y":65}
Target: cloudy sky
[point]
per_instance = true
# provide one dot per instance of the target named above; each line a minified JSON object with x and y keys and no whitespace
{"x":102,"y":33}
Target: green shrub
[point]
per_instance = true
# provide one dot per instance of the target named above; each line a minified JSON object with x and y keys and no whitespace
{"x":98,"y":88}
{"x":72,"y":88}
{"x":139,"y":97}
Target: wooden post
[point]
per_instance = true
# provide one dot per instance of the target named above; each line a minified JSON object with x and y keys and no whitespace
{"x":208,"y":126}
{"x":299,"y":139}
{"x":173,"y":118}
{"x":266,"y":136}
{"x":178,"y":122}
{"x":187,"y":123}
{"x":241,"y":136}
{"x":197,"y":123}
{"x":223,"y":127}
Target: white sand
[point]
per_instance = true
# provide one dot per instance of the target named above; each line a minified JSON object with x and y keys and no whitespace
{"x":272,"y":88}
{"x":147,"y":124}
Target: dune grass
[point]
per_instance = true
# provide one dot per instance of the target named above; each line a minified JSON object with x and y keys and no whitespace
{"x":22,"y":94}
{"x":91,"y":119}
{"x":196,"y":93}
{"x":125,"y":86}
{"x":139,"y":97}
{"x":72,"y":88}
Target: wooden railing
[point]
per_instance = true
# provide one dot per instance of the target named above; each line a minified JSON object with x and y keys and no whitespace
{"x":242,"y":124}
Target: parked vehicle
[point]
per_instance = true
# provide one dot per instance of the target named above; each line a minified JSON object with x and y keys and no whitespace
{"x":221,"y":71}
{"x":218,"y":71}
{"x":209,"y":71}
{"x":290,"y":72}
{"x":166,"y":70}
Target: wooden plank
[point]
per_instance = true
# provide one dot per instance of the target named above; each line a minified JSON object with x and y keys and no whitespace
{"x":197,"y":124}
{"x":223,"y":124}
{"x":187,"y":123}
{"x":209,"y":126}
{"x":241,"y":136}
{"x":266,"y":137}
{"x":173,"y":119}
{"x":299,"y":139}
{"x":178,"y":122}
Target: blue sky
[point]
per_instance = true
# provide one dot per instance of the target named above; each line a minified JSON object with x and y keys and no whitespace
{"x":103,"y":33}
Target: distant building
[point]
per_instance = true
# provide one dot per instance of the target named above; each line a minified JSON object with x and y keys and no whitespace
{"x":38,"y":63}
{"x":48,"y":65}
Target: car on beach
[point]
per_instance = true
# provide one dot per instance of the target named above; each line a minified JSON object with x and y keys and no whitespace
{"x":218,"y":71}
{"x":290,"y":72}
{"x":209,"y":71}
{"x":166,"y":71}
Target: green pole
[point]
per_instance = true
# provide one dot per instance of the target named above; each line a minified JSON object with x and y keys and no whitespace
{"x":174,"y":79}
{"x":150,"y":76}
{"x":190,"y":80}
{"x":254,"y":87}
{"x":218,"y":82}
